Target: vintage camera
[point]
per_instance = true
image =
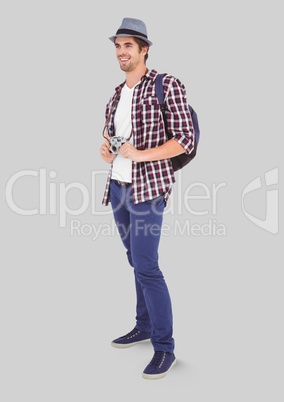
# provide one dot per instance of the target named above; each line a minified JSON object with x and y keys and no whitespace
{"x":115,"y":143}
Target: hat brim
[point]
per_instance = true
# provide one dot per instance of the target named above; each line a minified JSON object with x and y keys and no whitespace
{"x":149,"y":43}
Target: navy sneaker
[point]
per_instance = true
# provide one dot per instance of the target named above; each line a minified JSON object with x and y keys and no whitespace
{"x":159,"y":366}
{"x":132,"y":338}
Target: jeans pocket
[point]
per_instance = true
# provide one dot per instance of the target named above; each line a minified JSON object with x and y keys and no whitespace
{"x":157,"y":204}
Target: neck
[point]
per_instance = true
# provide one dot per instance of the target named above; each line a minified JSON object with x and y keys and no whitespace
{"x":133,"y":77}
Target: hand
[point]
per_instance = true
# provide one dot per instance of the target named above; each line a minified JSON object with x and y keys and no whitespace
{"x":129,"y":151}
{"x":106,"y":155}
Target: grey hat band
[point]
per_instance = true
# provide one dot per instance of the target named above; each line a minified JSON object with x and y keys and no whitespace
{"x":130,"y":32}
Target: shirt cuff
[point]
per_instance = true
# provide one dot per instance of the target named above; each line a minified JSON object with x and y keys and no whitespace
{"x":186,"y":141}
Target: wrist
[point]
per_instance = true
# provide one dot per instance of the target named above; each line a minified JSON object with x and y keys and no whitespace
{"x":141,"y":155}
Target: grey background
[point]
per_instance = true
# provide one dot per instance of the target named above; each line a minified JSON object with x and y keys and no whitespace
{"x":64,"y":297}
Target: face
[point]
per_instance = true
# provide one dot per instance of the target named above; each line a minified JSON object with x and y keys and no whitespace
{"x":128,"y":54}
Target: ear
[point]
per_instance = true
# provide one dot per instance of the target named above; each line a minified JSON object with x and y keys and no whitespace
{"x":145,"y":50}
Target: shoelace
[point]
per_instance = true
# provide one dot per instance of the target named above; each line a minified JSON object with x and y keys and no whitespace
{"x":132,"y":333}
{"x":158,"y":358}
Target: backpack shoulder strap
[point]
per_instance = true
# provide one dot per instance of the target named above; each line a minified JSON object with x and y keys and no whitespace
{"x":159,"y":88}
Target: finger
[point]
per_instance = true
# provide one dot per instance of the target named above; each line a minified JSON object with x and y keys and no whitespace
{"x":124,"y":153}
{"x":105,"y":147}
{"x":104,"y":150}
{"x":124,"y":146}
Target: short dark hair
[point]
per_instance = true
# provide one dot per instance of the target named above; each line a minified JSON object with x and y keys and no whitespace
{"x":141,"y":43}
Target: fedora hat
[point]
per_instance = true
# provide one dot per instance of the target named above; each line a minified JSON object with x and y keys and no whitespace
{"x":132,"y":27}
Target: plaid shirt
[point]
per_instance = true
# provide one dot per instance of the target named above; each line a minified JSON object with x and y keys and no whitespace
{"x":151,"y":179}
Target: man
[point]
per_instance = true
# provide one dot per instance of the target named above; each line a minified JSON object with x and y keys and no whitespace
{"x":140,"y":183}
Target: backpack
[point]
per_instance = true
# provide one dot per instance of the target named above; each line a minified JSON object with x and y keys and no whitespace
{"x":183,"y":159}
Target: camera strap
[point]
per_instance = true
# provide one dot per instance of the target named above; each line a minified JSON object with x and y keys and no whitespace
{"x":113,"y":107}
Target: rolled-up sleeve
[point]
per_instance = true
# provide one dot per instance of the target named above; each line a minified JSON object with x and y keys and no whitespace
{"x":179,"y":121}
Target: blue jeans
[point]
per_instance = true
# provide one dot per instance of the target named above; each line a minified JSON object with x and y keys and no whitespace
{"x":140,"y":227}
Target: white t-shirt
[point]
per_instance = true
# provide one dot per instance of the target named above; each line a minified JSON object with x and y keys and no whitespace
{"x":122,"y":167}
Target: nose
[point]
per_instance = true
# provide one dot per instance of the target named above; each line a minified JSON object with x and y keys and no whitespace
{"x":121,"y":53}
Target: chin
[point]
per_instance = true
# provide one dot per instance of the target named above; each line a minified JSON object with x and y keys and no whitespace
{"x":124,"y":68}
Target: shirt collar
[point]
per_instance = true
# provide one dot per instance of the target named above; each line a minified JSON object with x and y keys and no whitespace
{"x":150,"y":75}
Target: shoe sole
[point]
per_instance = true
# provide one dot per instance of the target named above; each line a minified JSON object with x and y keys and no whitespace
{"x":127,"y":345}
{"x":158,"y":376}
